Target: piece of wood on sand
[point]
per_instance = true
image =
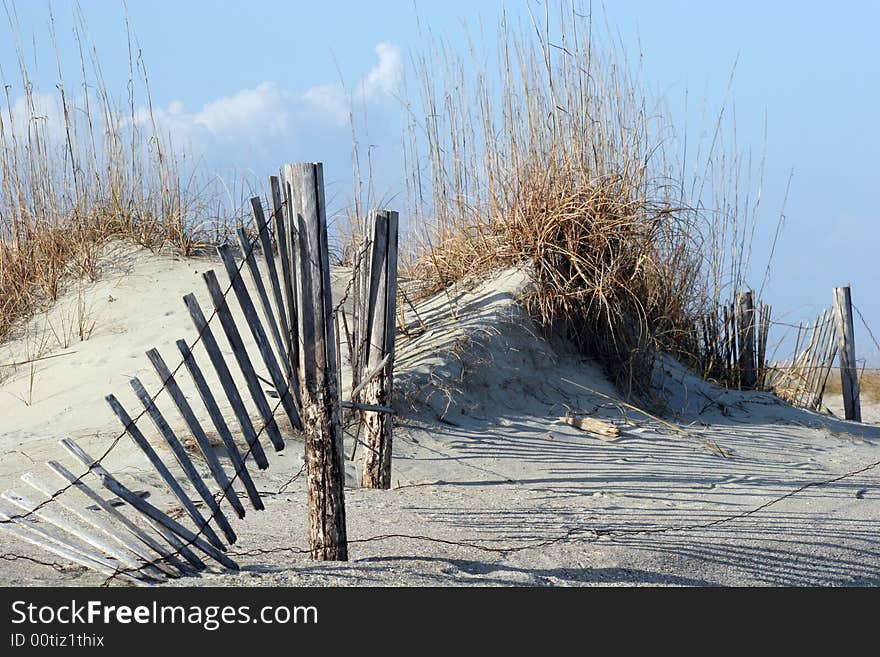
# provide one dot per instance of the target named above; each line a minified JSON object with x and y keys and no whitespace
{"x":604,"y":430}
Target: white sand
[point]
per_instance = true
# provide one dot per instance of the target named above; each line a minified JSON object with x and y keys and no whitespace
{"x":489,"y":487}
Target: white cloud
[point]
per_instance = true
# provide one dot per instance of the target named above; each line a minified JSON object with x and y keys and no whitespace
{"x":251,"y":120}
{"x":385,"y":77}
{"x":44,"y":114}
{"x":380,"y":83}
{"x":329,"y":98}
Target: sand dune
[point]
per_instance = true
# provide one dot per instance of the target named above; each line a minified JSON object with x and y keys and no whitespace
{"x":489,"y":486}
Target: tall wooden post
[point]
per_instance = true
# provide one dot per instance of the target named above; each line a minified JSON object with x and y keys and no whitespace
{"x":849,"y":373}
{"x":322,"y":427}
{"x":746,"y":331}
{"x":380,"y":298}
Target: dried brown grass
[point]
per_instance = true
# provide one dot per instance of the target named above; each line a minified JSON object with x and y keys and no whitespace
{"x":555,"y":159}
{"x":869,"y":384}
{"x":75,"y":172}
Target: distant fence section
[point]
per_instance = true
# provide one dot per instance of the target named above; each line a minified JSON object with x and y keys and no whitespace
{"x":802,"y":380}
{"x":733,"y":342}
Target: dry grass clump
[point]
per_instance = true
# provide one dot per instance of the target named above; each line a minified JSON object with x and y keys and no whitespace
{"x":555,"y":159}
{"x":869,"y":384}
{"x":76,"y":171}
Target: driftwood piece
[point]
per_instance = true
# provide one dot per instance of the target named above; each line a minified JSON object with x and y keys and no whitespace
{"x":605,"y":430}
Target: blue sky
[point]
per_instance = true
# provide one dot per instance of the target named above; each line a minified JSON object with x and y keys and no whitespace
{"x":249,"y":85}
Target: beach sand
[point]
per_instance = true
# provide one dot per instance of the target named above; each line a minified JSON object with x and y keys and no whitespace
{"x":490,"y":487}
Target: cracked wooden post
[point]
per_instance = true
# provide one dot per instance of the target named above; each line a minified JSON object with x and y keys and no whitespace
{"x":380,"y":297}
{"x":745,"y":303}
{"x":849,"y":372}
{"x":322,"y":428}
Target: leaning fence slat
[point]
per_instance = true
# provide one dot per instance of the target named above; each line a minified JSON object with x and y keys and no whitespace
{"x":132,"y":555}
{"x":114,"y":513}
{"x":183,"y":459}
{"x":135,"y":433}
{"x":49,"y":516}
{"x":269,"y":257}
{"x":28,"y":532}
{"x":147,"y":509}
{"x":220,"y":424}
{"x":195,"y":427}
{"x":247,"y":255}
{"x":282,"y":385}
{"x":226,"y":381}
{"x":241,"y":356}
{"x":285,"y":229}
{"x":813,"y":373}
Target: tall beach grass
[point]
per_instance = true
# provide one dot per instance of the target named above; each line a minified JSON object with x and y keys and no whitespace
{"x":554,"y":156}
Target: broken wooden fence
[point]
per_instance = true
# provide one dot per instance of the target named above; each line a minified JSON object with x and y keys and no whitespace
{"x":732,"y":343}
{"x":801,"y":381}
{"x":296,"y":346}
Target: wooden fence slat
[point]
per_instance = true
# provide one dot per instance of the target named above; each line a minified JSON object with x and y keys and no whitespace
{"x":281,"y":384}
{"x":135,"y":433}
{"x":849,"y":373}
{"x":241,"y":356}
{"x":226,"y":381}
{"x":319,"y":383}
{"x":746,"y":317}
{"x":183,"y":459}
{"x":220,"y":424}
{"x":31,"y":533}
{"x":53,"y":519}
{"x":280,"y":343}
{"x":140,"y":534}
{"x":45,"y":513}
{"x":381,"y":310}
{"x":195,"y":427}
{"x":285,"y":229}
{"x":268,"y":255}
{"x":131,"y":553}
{"x":147,"y":509}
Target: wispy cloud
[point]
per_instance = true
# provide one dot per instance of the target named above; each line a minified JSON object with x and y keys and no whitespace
{"x":380,"y":83}
{"x":261,"y":122}
{"x":267,"y":111}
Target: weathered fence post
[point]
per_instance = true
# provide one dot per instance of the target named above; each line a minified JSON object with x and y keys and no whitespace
{"x":322,"y":427}
{"x":380,"y":308}
{"x":746,"y":331}
{"x":849,"y":373}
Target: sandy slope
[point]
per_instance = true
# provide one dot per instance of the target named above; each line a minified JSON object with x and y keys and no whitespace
{"x":490,"y":488}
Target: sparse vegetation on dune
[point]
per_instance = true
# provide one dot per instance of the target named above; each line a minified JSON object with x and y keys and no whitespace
{"x":75,"y":171}
{"x":556,"y":159}
{"x":869,"y":384}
